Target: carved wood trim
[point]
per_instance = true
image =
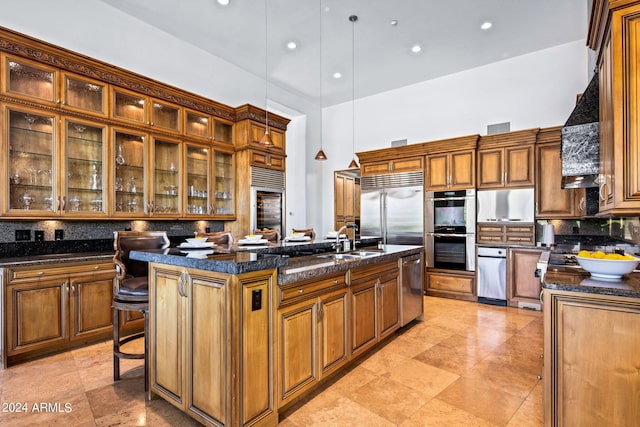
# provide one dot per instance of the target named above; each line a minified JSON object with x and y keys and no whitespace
{"x":256,"y":114}
{"x":527,"y":136}
{"x":420,"y":149}
{"x":547,"y":135}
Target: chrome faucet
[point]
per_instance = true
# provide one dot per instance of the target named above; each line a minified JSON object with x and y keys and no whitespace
{"x":343,"y":228}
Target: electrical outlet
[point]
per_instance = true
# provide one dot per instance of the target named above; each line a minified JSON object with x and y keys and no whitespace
{"x":256,"y":299}
{"x":23,"y":235}
{"x":58,"y":234}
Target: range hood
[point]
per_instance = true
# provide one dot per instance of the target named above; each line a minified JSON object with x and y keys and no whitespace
{"x":580,"y":149}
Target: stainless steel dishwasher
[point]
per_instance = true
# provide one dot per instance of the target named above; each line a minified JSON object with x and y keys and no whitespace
{"x":491,"y":275}
{"x":412,"y":288}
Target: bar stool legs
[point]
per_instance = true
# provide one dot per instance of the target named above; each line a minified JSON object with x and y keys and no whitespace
{"x":118,"y":341}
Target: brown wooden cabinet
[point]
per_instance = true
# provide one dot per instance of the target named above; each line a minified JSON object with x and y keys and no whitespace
{"x":408,"y":164}
{"x":346,"y":198}
{"x":451,"y":284}
{"x":523,"y":288}
{"x":54,"y":307}
{"x":552,"y":201}
{"x":375,"y":304}
{"x":211,"y":350}
{"x":506,"y":234}
{"x":591,"y":358}
{"x":614,"y":35}
{"x":312,"y":332}
{"x":451,"y":171}
{"x":506,"y":160}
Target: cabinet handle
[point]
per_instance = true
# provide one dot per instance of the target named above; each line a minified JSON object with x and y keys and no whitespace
{"x":537,"y":209}
{"x":601,"y":191}
{"x":63,"y":204}
{"x":95,"y":267}
{"x":320,"y":311}
{"x":73,"y":288}
{"x":181,"y":284}
{"x":541,"y":291}
{"x":582,"y":204}
{"x":40,"y":273}
{"x":152,"y":124}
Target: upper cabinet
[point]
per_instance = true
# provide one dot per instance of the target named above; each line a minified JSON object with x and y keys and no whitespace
{"x":506,"y":160}
{"x":406,"y":164}
{"x":552,"y":201}
{"x":86,"y":140}
{"x":451,"y":171}
{"x":614,"y":34}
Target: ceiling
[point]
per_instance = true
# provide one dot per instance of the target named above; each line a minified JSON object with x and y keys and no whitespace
{"x":448,"y":31}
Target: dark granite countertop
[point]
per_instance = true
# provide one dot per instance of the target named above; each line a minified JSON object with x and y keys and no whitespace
{"x":25,"y":261}
{"x":576,"y":279}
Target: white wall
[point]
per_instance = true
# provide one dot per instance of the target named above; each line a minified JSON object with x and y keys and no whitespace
{"x":535,"y":90}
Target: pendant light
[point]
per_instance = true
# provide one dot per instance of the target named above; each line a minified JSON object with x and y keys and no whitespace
{"x":266,"y":138}
{"x":353,"y":164}
{"x":320,"y":154}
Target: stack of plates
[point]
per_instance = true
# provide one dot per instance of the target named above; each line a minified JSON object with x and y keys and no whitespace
{"x":196,"y":245}
{"x":298,"y":238}
{"x":253,"y":241}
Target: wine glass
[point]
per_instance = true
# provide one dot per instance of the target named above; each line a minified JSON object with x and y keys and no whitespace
{"x":27,"y":199}
{"x":120,"y":156}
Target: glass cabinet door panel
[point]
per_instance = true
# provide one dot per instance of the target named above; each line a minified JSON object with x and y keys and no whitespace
{"x":31,"y":162}
{"x":197,"y":125}
{"x":30,"y":79}
{"x":85,"y":95}
{"x":129,"y":106}
{"x":129,"y":177}
{"x":165,"y":116}
{"x":85,"y":179}
{"x":223,"y":132}
{"x":224,"y":173}
{"x":166,"y":177}
{"x":198,"y":167}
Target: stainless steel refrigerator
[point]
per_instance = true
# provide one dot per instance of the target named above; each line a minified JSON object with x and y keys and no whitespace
{"x":392,"y":207}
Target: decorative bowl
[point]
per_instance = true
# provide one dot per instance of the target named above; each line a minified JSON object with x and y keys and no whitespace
{"x":197,"y":240}
{"x":253,"y":236}
{"x":608,"y":269}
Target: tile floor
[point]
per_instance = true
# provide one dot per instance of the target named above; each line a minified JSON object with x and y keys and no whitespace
{"x":466,"y":364}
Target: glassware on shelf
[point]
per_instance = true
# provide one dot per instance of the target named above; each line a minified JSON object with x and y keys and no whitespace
{"x":27,"y":200}
{"x":120,"y":155}
{"x":47,"y":203}
{"x":118,"y":184}
{"x":172,"y":167}
{"x":45,"y":177}
{"x":75,"y":203}
{"x":95,"y":181}
{"x":132,"y":205}
{"x":171,"y":190}
{"x":131,"y":185}
{"x":15,"y":179}
{"x":96,"y":205}
{"x":33,"y":173}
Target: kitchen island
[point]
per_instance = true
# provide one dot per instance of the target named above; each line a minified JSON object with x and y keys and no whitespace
{"x":236,"y":336}
{"x":591,"y":348}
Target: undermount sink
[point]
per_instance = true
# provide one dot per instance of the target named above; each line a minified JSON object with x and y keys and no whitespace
{"x":365,"y":253}
{"x":340,"y":256}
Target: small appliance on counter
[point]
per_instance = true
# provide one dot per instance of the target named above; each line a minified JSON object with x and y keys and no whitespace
{"x":548,"y":235}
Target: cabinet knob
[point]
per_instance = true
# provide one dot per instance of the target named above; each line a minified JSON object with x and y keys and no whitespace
{"x":95,"y":267}
{"x":40,"y":273}
{"x":300,"y":291}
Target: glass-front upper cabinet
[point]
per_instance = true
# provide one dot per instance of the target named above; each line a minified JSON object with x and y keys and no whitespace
{"x":166,"y":188}
{"x":222,"y":131}
{"x":85,"y":95}
{"x":26,"y":79}
{"x":166,"y":116}
{"x":197,"y":125}
{"x":84,"y":174}
{"x":30,"y":144}
{"x":129,"y":183}
{"x":224,"y":173}
{"x":129,"y":106}
{"x":198,"y":169}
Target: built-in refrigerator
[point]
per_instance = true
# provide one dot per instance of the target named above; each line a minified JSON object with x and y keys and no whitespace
{"x":392,"y":207}
{"x":267,"y":199}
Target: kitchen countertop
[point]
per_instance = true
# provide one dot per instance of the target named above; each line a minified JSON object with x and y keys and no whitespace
{"x":575,"y":279}
{"x":33,"y":260}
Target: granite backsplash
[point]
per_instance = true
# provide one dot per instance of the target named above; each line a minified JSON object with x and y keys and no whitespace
{"x":595,"y":232}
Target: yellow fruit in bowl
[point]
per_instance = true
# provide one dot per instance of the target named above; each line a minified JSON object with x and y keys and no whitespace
{"x":584,"y":254}
{"x":612,"y":256}
{"x":598,"y":255}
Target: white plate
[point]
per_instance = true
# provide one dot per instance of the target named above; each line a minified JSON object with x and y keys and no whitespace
{"x":203,"y":245}
{"x":253,"y":241}
{"x":342,"y":236}
{"x":298,"y":238}
{"x":198,"y":254}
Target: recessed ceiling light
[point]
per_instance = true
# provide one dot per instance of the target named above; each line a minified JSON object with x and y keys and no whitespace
{"x":486,"y":25}
{"x":337,"y":75}
{"x":416,"y":48}
{"x":223,"y":2}
{"x":291,"y":45}
{"x":394,"y":22}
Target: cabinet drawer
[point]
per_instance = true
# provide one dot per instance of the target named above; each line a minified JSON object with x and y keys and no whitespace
{"x":520,"y":240}
{"x":514,"y":229}
{"x":308,"y":289}
{"x":490,"y":229}
{"x":28,"y":273}
{"x":489,"y":238}
{"x":375,"y":168}
{"x":451,"y":283}
{"x":403,"y":165}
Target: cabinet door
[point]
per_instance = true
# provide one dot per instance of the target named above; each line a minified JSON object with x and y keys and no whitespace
{"x":85,"y":169}
{"x":490,"y":168}
{"x":129,"y":106}
{"x":130,"y":173}
{"x":389,"y":305}
{"x":31,"y":155}
{"x":605,"y":76}
{"x":522,"y":285}
{"x":165,"y":186}
{"x":406,"y":165}
{"x":31,"y":80}
{"x":223,"y":132}
{"x":332,"y":334}
{"x":84,"y":95}
{"x":552,"y":201}
{"x":198,"y":125}
{"x":338,"y":195}
{"x":198,"y":179}
{"x":298,"y":351}
{"x":364,"y":315}
{"x":277,"y":136}
{"x":165,"y":116}
{"x":463,"y":171}
{"x":37,"y":316}
{"x":91,"y":300}
{"x":374,"y":168}
{"x":206,"y":328}
{"x":167,"y":335}
{"x":437,"y":172}
{"x":519,"y":171}
{"x":224,"y":184}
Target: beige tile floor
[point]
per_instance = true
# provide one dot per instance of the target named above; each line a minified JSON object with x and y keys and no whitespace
{"x":466,"y":364}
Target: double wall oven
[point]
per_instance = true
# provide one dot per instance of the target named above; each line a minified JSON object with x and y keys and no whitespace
{"x":450,"y":229}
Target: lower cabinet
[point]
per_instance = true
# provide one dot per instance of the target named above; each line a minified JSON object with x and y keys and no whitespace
{"x":451,"y":284}
{"x":51,"y":308}
{"x":312,"y":334}
{"x":523,"y":287}
{"x":375,"y":304}
{"x":591,"y":359}
{"x":211,"y":348}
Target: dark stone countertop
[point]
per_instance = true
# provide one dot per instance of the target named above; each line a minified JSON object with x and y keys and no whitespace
{"x":576,"y":279}
{"x":26,"y":261}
